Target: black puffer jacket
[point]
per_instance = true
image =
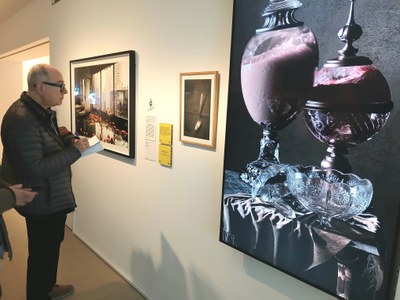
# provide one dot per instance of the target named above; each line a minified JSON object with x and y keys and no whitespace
{"x":37,"y":156}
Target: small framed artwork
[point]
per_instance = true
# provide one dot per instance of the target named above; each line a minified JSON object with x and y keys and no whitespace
{"x":198,"y":108}
{"x":103,"y":100}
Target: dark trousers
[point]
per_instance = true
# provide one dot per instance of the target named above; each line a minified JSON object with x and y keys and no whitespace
{"x":45,"y":234}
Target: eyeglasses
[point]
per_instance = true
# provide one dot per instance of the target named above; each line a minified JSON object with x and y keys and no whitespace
{"x":60,"y":85}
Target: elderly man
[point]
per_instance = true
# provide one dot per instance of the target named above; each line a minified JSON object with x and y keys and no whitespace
{"x":39,"y":155}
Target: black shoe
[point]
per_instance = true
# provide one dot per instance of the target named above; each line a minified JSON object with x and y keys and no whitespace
{"x":61,"y":291}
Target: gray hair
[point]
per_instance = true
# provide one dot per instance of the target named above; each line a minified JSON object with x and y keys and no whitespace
{"x":37,"y":73}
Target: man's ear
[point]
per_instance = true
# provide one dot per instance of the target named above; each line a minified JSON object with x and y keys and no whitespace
{"x":39,"y":88}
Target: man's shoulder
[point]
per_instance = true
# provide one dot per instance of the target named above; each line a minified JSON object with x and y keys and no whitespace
{"x":18,"y":110}
{"x":17,"y":117}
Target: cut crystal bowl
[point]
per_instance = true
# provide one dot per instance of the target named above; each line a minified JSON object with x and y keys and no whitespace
{"x":329,"y":193}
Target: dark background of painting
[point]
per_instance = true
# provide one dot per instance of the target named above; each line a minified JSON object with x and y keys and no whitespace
{"x":377,"y":159}
{"x":193,"y":111}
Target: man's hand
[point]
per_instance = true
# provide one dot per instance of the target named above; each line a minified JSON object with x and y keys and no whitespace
{"x":82,"y":144}
{"x":63,"y":130}
{"x":23,"y":195}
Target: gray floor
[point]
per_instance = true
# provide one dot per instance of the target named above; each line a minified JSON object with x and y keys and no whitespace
{"x":92,"y":278}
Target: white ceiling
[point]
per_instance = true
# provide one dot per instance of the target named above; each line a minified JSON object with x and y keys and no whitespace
{"x":10,"y":7}
{"x":40,"y":49}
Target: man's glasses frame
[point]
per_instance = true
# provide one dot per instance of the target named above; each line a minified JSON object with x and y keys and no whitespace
{"x":60,"y":85}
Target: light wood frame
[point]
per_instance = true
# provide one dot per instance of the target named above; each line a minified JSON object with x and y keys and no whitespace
{"x":199,"y":108}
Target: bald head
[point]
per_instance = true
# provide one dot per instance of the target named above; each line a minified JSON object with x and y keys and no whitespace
{"x":46,"y":85}
{"x":40,"y":72}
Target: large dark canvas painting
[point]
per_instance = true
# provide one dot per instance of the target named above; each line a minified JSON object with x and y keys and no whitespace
{"x":316,"y":193}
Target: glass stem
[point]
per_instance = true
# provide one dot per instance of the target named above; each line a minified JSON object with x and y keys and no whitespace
{"x":269,"y":147}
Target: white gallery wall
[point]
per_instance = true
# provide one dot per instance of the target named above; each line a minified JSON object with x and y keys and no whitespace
{"x":10,"y":86}
{"x":157,"y":226}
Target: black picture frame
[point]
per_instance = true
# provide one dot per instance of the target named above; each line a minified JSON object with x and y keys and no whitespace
{"x":242,"y":227}
{"x":103,"y":100}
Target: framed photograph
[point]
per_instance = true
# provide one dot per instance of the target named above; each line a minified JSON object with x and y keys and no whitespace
{"x":285,"y":206}
{"x":198,"y":108}
{"x":103,"y":100}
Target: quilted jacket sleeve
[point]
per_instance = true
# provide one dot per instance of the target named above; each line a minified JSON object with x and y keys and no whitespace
{"x":7,"y":199}
{"x":38,"y":152}
{"x":67,"y":136}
